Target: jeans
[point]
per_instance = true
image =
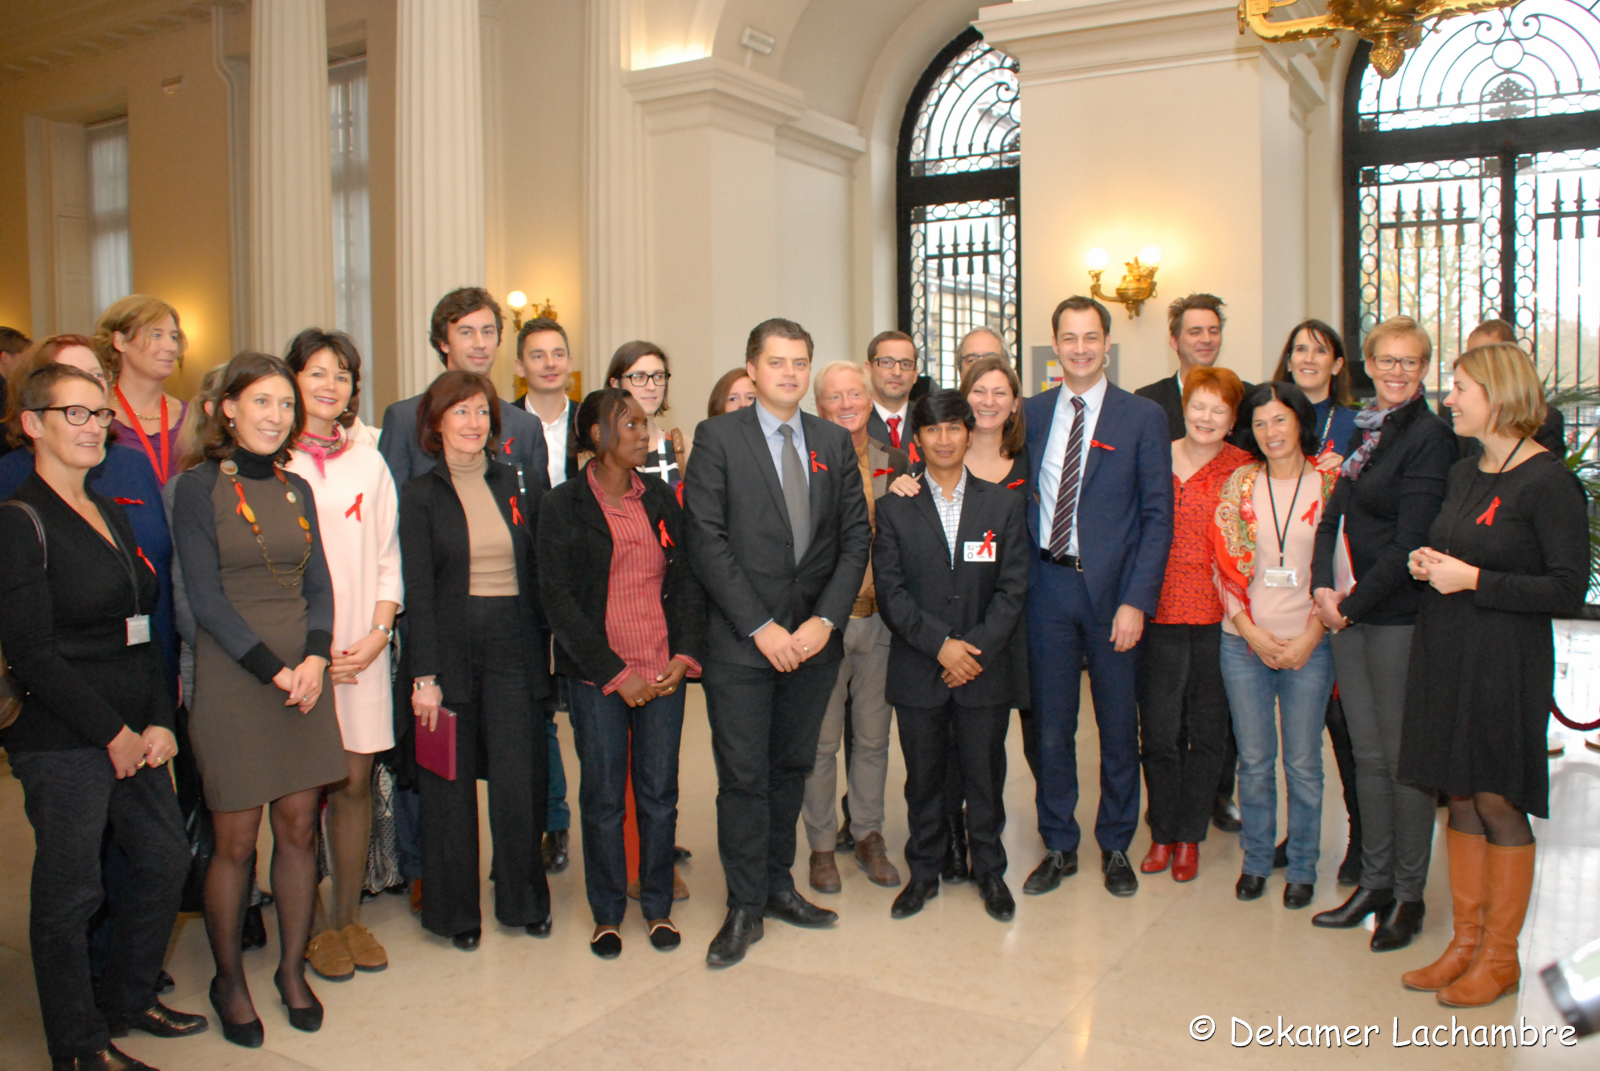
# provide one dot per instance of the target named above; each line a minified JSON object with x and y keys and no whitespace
{"x":604,"y":728}
{"x":1183,"y":728}
{"x":1263,"y":700}
{"x":558,"y":815}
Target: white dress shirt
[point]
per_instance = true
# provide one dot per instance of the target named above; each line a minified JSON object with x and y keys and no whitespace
{"x":1055,"y":451}
{"x":555,"y":439}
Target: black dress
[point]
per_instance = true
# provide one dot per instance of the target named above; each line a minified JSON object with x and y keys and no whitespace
{"x":1482,"y":662}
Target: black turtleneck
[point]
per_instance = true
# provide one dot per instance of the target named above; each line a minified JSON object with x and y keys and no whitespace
{"x":253,"y":466}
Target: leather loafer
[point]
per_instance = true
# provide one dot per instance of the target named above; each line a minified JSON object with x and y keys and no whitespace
{"x":1297,"y":894}
{"x":918,"y":891}
{"x":607,"y":944}
{"x":997,"y":898}
{"x":1051,"y":869}
{"x":541,"y":928}
{"x":160,"y":1021}
{"x":1402,"y":924}
{"x":553,"y":852}
{"x":789,"y":906}
{"x":109,"y":1058}
{"x":1157,"y":859}
{"x":1120,"y":878}
{"x":1185,"y":862}
{"x":1349,"y":914}
{"x":1250,"y":887}
{"x":467,"y":940}
{"x":740,"y":930}
{"x":1225,"y":814}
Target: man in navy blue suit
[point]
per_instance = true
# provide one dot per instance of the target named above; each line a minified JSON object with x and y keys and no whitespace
{"x":1100,"y":516}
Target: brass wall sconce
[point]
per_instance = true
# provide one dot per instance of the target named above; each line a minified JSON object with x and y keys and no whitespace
{"x":1138,"y":284}
{"x":519,"y":301}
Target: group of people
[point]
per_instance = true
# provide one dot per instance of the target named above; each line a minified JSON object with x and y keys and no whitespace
{"x":257,"y":584}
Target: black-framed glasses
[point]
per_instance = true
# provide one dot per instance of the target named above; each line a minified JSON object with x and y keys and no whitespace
{"x":78,"y":415}
{"x":639,"y":379}
{"x":1387,"y":364}
{"x":889,"y":364}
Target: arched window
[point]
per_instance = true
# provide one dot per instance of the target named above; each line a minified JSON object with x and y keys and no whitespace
{"x":1472,"y":185}
{"x":957,"y":201}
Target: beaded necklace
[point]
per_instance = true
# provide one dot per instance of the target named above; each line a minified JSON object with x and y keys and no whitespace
{"x":295,"y":572}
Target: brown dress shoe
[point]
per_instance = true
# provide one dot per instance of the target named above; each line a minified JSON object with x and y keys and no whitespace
{"x":329,"y":958}
{"x":873,"y":857}
{"x":824,"y":873}
{"x":365,"y":951}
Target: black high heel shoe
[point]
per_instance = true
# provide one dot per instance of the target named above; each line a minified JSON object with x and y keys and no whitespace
{"x":249,"y":1035}
{"x":308,"y":1020}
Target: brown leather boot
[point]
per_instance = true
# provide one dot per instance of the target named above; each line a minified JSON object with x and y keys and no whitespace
{"x":824,"y":873}
{"x":873,"y":857}
{"x":1467,"y":854}
{"x":1508,"y":883}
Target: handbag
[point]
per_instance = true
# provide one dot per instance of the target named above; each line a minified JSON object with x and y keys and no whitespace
{"x":12,"y":692}
{"x":436,"y":747}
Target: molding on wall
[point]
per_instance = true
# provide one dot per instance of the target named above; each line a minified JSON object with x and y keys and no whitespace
{"x":714,"y":92}
{"x":41,"y":36}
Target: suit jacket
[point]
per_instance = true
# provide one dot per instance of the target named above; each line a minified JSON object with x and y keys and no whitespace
{"x":573,"y":468}
{"x":1124,"y":501}
{"x":575,"y":548}
{"x":521,"y":445}
{"x":885,"y":465}
{"x":877,"y":429}
{"x":923,"y":598}
{"x":741,"y":546}
{"x":436,"y":558}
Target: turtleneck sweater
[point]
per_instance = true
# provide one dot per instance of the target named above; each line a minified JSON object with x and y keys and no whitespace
{"x":494,"y":566}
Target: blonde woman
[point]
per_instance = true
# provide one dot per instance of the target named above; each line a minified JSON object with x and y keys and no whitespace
{"x":140,"y":342}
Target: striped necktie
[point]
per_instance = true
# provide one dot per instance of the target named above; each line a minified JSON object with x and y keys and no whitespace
{"x":1067,"y":494}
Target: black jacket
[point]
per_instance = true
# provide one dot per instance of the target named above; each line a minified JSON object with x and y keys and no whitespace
{"x":575,"y":548}
{"x":923,"y":598}
{"x":1386,"y":515}
{"x":436,"y":558}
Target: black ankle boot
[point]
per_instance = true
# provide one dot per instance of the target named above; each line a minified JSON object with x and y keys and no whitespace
{"x":959,"y":870}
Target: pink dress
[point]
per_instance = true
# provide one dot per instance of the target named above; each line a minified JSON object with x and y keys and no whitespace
{"x":359,"y":517}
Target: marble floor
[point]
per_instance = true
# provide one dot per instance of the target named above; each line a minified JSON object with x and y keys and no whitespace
{"x":1080,"y":979}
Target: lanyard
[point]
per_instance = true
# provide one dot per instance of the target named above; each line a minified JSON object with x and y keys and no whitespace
{"x":1327,"y":423}
{"x":1466,"y":499}
{"x":1283,"y":533}
{"x":162,"y":467}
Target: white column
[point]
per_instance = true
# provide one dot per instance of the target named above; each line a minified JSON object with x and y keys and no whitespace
{"x":439,"y":187}
{"x":291,"y":213}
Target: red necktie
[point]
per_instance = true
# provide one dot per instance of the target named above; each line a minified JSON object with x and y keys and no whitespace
{"x":894,"y":432}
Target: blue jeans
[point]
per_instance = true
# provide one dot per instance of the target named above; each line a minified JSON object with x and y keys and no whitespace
{"x":1301,"y":699}
{"x":602,"y":726}
{"x":558,"y":815}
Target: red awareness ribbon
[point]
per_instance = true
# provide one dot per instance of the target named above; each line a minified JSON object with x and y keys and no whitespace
{"x":679,"y":492}
{"x":913,"y":448}
{"x":128,"y":501}
{"x":506,"y":449}
{"x":356,"y":509}
{"x":817,"y":466}
{"x":239,"y":490}
{"x":1097,"y":444}
{"x":1310,"y":515}
{"x":516,"y":514}
{"x":881,"y":472}
{"x":988,"y":544}
{"x":1487,"y":516}
{"x":142,"y":557}
{"x":666,"y":540}
{"x":1014,"y":484}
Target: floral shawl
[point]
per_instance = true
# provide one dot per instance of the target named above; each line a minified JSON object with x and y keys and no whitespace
{"x":1234,"y":533}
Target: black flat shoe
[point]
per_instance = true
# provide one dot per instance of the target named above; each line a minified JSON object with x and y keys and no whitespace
{"x":1225,"y":814}
{"x":997,"y":899}
{"x":794,"y":909}
{"x":607,"y":944}
{"x":541,"y":928}
{"x":740,"y":930}
{"x":553,"y":853}
{"x":1280,"y":855}
{"x":1120,"y":878}
{"x":1349,"y":914}
{"x":246,"y":1035}
{"x":306,"y":1020}
{"x":1048,"y":874}
{"x":1249,"y":887}
{"x":1401,"y":925}
{"x":918,"y":892}
{"x":160,"y":1021}
{"x":109,"y":1058}
{"x":664,"y":936}
{"x":467,"y":940}
{"x":1297,"y":894}
{"x":254,"y":934}
{"x":681,"y":855}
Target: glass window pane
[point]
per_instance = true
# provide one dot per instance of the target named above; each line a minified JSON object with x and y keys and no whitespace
{"x":110,"y":251}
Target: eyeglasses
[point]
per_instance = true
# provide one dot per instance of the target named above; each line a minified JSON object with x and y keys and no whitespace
{"x":889,"y":364}
{"x":639,"y":379}
{"x":968,"y":359}
{"x":78,"y":415}
{"x":1387,"y":364}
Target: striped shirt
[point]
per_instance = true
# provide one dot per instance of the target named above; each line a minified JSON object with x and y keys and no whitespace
{"x":949,"y":510}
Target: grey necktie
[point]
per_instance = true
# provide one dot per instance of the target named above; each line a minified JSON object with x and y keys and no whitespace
{"x":795,"y":494}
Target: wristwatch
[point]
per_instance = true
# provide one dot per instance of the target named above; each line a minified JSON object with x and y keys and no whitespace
{"x":825,"y":621}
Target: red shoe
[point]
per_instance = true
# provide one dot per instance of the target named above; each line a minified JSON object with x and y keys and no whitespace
{"x":1156,"y":859}
{"x":1185,"y":862}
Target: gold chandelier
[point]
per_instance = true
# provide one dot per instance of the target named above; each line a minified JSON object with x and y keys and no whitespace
{"x":1393,"y":26}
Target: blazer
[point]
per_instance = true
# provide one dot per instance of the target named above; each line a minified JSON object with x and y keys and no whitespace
{"x":741,"y":546}
{"x":1386,"y":514}
{"x":923,"y":598}
{"x":521,"y":445}
{"x":436,"y":559}
{"x":879,"y":431}
{"x":575,"y":548}
{"x":573,"y":468}
{"x":1124,"y":500}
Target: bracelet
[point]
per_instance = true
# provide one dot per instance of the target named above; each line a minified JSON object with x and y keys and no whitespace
{"x":386,"y":630}
{"x":418,"y":685}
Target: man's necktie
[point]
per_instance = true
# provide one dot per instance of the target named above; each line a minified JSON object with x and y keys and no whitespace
{"x":795,"y":493}
{"x":1067,"y":494}
{"x":894,"y":432}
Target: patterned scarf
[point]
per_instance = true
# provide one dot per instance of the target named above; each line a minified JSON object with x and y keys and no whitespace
{"x":1371,"y":420}
{"x":323,"y":448}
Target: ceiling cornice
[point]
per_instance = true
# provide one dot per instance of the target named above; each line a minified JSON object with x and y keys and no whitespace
{"x":39,"y":35}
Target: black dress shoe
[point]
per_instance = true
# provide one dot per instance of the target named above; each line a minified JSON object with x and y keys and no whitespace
{"x":246,"y":1035}
{"x":1051,"y":869}
{"x":1350,"y":869}
{"x":1225,"y":814}
{"x":607,"y":944}
{"x":740,"y":930}
{"x":467,"y":940}
{"x":1349,"y":914}
{"x":553,"y":853}
{"x":664,"y":936}
{"x":1249,"y":887}
{"x":158,"y":1020}
{"x":1280,"y":855}
{"x":254,"y":933}
{"x":949,"y":865}
{"x":1297,"y":894}
{"x":306,"y":1020}
{"x":109,"y":1058}
{"x":1120,"y":878}
{"x":1401,"y":925}
{"x":918,"y":891}
{"x":541,"y":928}
{"x":796,"y":910}
{"x":960,"y":869}
{"x":997,"y":898}
{"x":681,"y":855}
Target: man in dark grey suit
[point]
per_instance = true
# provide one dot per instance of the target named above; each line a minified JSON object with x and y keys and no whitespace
{"x":779,"y":537}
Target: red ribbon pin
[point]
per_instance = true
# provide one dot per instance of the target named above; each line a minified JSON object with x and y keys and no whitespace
{"x":506,"y":449}
{"x":516,"y":514}
{"x":1098,"y":445}
{"x":679,"y":492}
{"x":1487,"y":516}
{"x":355,"y":510}
{"x":914,"y":457}
{"x":142,"y":557}
{"x":1310,"y":515}
{"x":817,"y":466}
{"x":881,"y":472}
{"x":666,"y":540}
{"x":987,"y":550}
{"x":1014,"y":484}
{"x":128,"y":501}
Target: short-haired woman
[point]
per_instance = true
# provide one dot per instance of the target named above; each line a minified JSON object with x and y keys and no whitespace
{"x":140,"y":342}
{"x":641,"y":369}
{"x":1508,"y":549}
{"x":92,"y":739}
{"x":262,"y":725}
{"x":1393,"y":483}
{"x":733,"y":392}
{"x":1275,"y":658}
{"x":468,"y":554}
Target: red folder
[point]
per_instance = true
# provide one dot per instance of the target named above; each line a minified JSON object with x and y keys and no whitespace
{"x":436,"y":747}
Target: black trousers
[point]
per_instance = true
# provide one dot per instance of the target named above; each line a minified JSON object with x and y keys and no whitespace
{"x":764,"y":729}
{"x":976,"y":738}
{"x":70,"y":798}
{"x":955,"y":790}
{"x":500,"y":736}
{"x":1183,"y":727}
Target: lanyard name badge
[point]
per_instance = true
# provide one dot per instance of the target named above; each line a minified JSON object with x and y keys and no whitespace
{"x":138,"y":624}
{"x":1283,"y":576}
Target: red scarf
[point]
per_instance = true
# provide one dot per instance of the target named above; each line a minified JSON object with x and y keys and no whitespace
{"x":322,"y":449}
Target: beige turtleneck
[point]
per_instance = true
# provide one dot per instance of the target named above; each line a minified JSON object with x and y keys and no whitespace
{"x":494,"y":565}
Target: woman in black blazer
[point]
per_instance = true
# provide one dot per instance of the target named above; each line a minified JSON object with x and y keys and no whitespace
{"x":472,"y":598}
{"x":629,"y":620}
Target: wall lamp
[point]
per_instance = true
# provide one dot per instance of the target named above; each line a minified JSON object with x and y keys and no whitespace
{"x":1138,"y":284}
{"x":519,"y":301}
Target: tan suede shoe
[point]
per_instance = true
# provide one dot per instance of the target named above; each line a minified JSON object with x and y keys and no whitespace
{"x":365,"y":951}
{"x":329,"y":958}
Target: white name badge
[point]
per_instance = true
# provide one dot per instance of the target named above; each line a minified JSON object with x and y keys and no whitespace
{"x":979,"y":551}
{"x":138,"y":629}
{"x":1279,"y":578}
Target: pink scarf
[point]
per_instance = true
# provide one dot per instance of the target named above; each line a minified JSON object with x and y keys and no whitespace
{"x":323,"y":448}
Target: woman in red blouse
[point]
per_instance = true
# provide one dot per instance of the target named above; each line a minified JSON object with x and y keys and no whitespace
{"x":629,"y":620}
{"x":1180,"y":677}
